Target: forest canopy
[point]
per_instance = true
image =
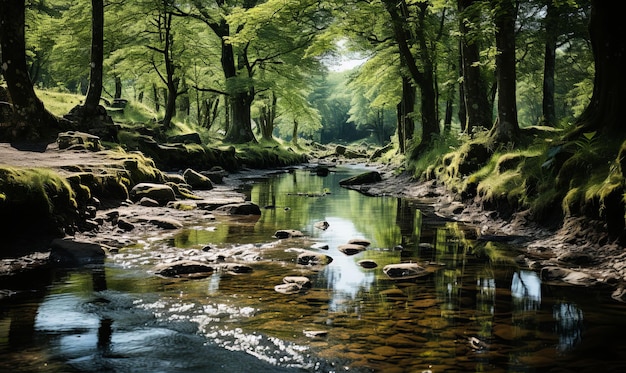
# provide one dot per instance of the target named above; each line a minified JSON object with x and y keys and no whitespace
{"x":252,"y":70}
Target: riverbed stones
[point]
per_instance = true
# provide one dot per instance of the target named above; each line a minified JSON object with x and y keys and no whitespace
{"x":71,"y":252}
{"x":196,"y":180}
{"x":290,"y":288}
{"x":366,"y":263}
{"x":553,"y":273}
{"x":322,"y":225}
{"x":184,"y":268}
{"x":236,"y":269}
{"x":160,"y":221}
{"x":319,"y":246}
{"x":293,"y":285}
{"x":159,"y":192}
{"x":351,"y":249}
{"x":302,"y":281}
{"x":360,"y":241}
{"x":245,"y":208}
{"x":313,"y":258}
{"x":403,"y":271}
{"x":287,"y":233}
{"x":363,"y":178}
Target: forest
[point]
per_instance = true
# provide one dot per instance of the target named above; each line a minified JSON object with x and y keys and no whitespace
{"x":512,"y":102}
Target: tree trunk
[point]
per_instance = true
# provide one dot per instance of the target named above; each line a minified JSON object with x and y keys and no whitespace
{"x":405,"y":110}
{"x":31,"y":120}
{"x":294,"y":133}
{"x":240,"y":129}
{"x":424,"y":78}
{"x":506,"y":127}
{"x":549,"y":67}
{"x":478,"y":109}
{"x":92,"y":101}
{"x":118,"y":87}
{"x":607,"y":32}
{"x":462,"y":113}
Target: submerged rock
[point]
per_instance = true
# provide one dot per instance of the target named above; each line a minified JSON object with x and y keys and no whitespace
{"x":236,"y":269}
{"x":287,"y":233}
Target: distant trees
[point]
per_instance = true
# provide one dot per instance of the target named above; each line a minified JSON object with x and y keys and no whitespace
{"x":231,"y":65}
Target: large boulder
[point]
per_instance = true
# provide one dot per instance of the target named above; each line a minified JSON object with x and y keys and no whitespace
{"x":196,"y":180}
{"x":159,"y":192}
{"x":70,"y":252}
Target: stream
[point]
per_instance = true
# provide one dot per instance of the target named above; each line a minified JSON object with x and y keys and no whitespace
{"x":476,"y":310}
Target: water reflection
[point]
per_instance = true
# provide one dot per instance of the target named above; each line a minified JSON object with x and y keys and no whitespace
{"x":569,"y":325}
{"x":476,"y":311}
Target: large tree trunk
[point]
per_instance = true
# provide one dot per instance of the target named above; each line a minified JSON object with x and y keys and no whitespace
{"x":240,"y":129}
{"x":506,"y":127}
{"x":423,"y":78}
{"x":92,"y":101}
{"x":478,"y":109}
{"x":31,"y":121}
{"x":405,"y":110}
{"x":549,"y":66}
{"x":607,"y":31}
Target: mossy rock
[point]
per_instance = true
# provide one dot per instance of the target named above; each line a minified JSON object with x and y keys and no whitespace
{"x":364,"y":178}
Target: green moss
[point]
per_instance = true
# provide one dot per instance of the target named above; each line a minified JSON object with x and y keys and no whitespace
{"x":35,"y":200}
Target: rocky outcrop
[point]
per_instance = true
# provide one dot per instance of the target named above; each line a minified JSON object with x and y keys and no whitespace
{"x":76,"y":253}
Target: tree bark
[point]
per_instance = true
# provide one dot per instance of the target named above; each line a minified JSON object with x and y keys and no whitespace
{"x":506,"y":127}
{"x":405,"y":110}
{"x":423,"y":78}
{"x":549,"y":66}
{"x":92,"y":101}
{"x":31,"y":121}
{"x":478,"y":109}
{"x":607,"y":31}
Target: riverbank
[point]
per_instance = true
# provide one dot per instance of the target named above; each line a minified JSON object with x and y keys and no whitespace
{"x":561,"y":253}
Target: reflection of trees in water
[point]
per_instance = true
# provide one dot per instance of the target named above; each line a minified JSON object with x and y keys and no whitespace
{"x":569,"y":325}
{"x":526,"y":291}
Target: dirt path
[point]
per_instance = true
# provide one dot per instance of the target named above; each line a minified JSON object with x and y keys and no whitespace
{"x":49,"y":156}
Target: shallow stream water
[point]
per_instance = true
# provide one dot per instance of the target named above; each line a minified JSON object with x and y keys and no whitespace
{"x":475,"y":311}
